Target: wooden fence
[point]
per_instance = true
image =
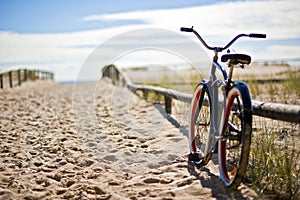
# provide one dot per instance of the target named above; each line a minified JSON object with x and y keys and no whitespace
{"x":284,"y":112}
{"x":12,"y":78}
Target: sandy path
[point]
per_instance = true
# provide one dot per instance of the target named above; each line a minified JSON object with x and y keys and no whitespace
{"x":135,"y":153}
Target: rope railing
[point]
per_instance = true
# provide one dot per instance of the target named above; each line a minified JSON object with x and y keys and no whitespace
{"x":283,"y":112}
{"x":12,"y":78}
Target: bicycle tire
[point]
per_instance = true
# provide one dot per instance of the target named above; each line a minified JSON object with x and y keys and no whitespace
{"x":235,"y":144}
{"x":199,"y":125}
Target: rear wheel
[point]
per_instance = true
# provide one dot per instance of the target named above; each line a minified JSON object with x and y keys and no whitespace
{"x":199,"y":126}
{"x":234,"y":146}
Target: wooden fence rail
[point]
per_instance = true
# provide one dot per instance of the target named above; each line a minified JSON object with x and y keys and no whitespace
{"x":18,"y":76}
{"x":284,"y":112}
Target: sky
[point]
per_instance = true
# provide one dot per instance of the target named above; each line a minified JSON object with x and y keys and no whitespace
{"x":60,"y":35}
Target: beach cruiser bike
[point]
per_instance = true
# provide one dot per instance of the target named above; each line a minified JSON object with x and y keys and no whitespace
{"x":221,"y":116}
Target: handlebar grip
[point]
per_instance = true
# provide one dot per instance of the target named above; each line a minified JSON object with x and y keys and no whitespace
{"x":257,"y":35}
{"x":183,"y":29}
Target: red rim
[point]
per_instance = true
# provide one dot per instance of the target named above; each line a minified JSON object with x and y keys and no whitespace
{"x":223,"y":143}
{"x":192,"y":125}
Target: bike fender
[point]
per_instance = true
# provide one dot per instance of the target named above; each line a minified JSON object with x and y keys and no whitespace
{"x":243,"y":88}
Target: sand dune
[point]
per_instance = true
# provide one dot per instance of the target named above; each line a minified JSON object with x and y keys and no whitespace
{"x":136,"y":152}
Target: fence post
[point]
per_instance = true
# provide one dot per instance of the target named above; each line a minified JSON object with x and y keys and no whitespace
{"x":113,"y":74}
{"x":10,"y":79}
{"x":1,"y":81}
{"x":168,"y":104}
{"x":145,"y":94}
{"x":32,"y":74}
{"x":19,"y":77}
{"x":25,"y":75}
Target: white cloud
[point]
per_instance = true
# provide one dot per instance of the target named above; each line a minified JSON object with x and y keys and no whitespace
{"x":58,"y":52}
{"x":280,"y":19}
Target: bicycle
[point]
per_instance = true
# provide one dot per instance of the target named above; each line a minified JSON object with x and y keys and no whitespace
{"x":221,"y":116}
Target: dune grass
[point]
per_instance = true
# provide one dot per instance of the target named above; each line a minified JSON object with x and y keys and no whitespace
{"x":286,"y":91}
{"x":274,"y":163}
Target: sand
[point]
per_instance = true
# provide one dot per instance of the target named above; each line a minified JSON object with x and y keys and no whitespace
{"x":136,"y":151}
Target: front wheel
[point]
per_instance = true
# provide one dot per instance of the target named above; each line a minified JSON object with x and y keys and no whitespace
{"x":199,"y":126}
{"x":234,"y":145}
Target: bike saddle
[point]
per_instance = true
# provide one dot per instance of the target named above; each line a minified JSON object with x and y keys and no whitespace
{"x":236,"y":59}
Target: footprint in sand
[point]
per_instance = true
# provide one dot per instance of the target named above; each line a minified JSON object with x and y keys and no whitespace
{"x":110,"y":158}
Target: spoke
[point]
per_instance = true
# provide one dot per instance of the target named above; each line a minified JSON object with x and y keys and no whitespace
{"x":233,"y":128}
{"x":203,"y":124}
{"x":239,"y":103}
{"x":238,"y":114}
{"x":234,"y":146}
{"x":233,"y":141}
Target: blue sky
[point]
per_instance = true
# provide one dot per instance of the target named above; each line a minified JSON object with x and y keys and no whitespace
{"x":54,"y":16}
{"x":59,"y":35}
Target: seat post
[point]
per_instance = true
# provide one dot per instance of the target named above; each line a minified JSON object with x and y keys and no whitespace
{"x":229,"y":81}
{"x":231,"y":66}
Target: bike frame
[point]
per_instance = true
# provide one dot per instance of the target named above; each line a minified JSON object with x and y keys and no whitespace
{"x":218,"y":104}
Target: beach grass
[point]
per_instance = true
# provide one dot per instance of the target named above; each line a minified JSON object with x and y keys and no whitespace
{"x":274,"y":167}
{"x":286,"y":91}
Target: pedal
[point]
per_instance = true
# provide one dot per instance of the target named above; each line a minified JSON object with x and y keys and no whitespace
{"x":198,"y":162}
{"x":194,"y":157}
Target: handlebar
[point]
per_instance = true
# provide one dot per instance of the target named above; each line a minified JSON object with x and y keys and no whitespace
{"x":220,"y":49}
{"x":183,"y":29}
{"x":257,"y":35}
